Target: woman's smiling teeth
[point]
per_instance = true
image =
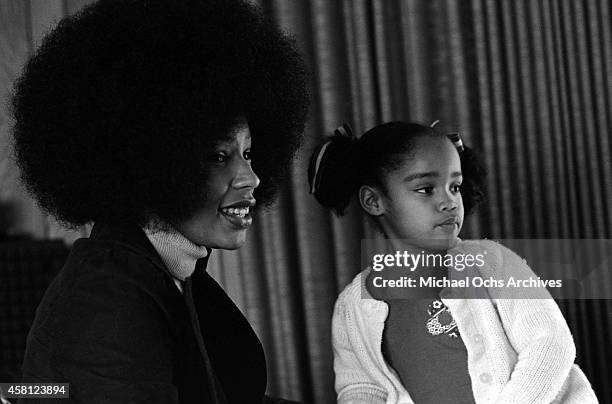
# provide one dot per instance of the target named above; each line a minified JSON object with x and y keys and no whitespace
{"x":238,"y":212}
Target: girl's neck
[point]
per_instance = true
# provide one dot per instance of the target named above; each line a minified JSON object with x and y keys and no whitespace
{"x":415,"y":262}
{"x":406,"y":245}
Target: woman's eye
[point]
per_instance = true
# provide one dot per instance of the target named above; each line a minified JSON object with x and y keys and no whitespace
{"x":218,"y":158}
{"x":247,"y":155}
{"x":456,"y":188}
{"x":425,"y":190}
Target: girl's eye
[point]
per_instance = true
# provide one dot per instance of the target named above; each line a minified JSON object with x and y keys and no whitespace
{"x":247,"y":155}
{"x":456,"y":188}
{"x":425,"y":190}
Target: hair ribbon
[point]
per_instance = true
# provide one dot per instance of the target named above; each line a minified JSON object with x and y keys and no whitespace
{"x":456,"y":139}
{"x":343,"y":130}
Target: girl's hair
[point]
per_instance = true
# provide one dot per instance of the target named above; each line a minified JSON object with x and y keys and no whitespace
{"x":342,"y":164}
{"x":116,"y":111}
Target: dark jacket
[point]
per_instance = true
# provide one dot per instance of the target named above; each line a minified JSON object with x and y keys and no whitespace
{"x":114,"y":325}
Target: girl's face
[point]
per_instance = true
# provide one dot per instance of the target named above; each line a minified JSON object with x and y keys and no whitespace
{"x":224,"y":217}
{"x":423,"y":202}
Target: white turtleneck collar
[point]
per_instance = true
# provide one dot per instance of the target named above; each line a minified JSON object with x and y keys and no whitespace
{"x":176,"y":251}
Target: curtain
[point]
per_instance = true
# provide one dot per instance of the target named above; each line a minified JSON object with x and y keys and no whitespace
{"x":526,"y":82}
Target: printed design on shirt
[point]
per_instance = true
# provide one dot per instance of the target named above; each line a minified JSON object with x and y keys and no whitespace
{"x":440,"y":320}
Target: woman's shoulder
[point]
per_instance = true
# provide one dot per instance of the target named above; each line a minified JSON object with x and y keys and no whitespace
{"x":101,"y":278}
{"x":112,"y":262}
{"x":96,"y":298}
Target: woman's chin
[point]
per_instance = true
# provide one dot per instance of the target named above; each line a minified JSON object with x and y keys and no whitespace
{"x":232,"y":241}
{"x":235,"y":246}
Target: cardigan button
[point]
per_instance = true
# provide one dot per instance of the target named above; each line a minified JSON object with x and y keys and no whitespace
{"x":485,"y":378}
{"x":478,"y":338}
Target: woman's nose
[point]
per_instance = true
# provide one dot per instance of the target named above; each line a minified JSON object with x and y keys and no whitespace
{"x":246,"y":177}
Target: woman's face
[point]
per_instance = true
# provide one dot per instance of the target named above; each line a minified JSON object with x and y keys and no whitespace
{"x":423,"y":201}
{"x":224,"y":217}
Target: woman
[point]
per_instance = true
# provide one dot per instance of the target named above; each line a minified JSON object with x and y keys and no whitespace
{"x":138,"y":116}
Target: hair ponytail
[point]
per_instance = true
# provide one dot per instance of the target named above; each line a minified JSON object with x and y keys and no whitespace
{"x":343,"y":163}
{"x":332,"y":173}
{"x":474,"y":187}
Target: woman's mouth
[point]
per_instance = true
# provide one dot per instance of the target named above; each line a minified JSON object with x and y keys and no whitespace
{"x":239,"y":212}
{"x":238,"y":215}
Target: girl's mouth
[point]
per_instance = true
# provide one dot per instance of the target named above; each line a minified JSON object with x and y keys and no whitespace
{"x":449,"y":225}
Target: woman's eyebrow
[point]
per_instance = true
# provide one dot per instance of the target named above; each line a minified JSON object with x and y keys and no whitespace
{"x":222,"y":142}
{"x":225,"y":140}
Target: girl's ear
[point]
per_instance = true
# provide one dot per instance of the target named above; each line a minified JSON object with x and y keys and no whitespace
{"x":370,"y":200}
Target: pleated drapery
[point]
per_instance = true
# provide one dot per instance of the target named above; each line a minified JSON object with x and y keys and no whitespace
{"x":528,"y":83}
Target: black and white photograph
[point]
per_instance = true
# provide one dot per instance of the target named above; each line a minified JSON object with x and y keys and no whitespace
{"x":306,"y":201}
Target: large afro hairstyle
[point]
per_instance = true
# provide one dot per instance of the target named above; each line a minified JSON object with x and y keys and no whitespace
{"x":116,"y":110}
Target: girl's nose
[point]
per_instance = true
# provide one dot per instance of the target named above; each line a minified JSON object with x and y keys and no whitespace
{"x":448,"y":204}
{"x":246,"y":177}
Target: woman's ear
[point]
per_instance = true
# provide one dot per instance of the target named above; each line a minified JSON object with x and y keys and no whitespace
{"x":370,"y":200}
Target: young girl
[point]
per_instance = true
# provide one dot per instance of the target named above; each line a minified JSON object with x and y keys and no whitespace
{"x":416,"y":183}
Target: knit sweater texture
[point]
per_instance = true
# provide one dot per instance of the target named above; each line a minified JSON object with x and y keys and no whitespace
{"x":520,"y":350}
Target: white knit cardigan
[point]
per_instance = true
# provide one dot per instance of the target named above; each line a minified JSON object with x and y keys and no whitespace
{"x":519,"y":350}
